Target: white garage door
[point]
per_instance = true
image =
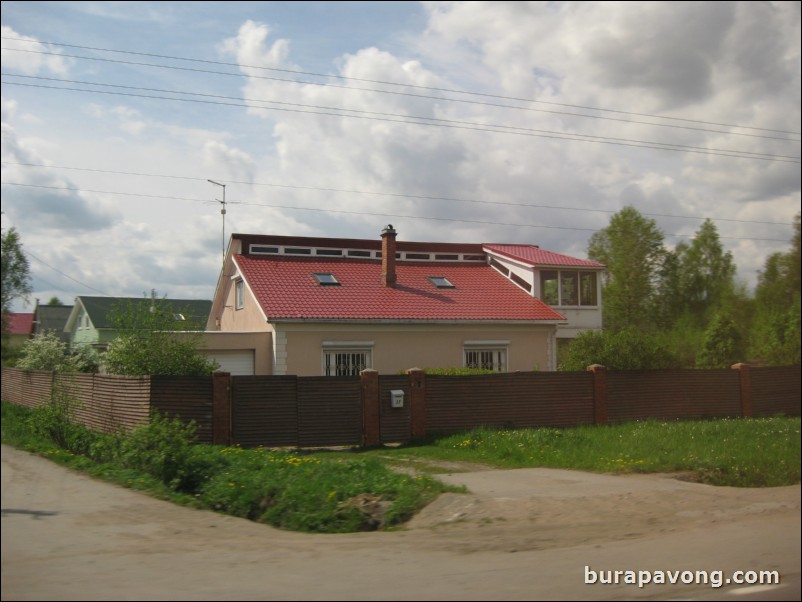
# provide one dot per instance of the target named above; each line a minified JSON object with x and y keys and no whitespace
{"x":238,"y":362}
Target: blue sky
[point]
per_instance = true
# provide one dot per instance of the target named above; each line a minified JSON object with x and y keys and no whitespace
{"x":454,"y":121}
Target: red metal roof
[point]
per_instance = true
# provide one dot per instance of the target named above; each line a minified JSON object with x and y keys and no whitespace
{"x":20,"y":323}
{"x":536,"y":256}
{"x":287,"y":289}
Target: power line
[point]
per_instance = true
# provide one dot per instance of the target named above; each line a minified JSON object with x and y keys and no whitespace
{"x":91,"y":288}
{"x":389,"y":83}
{"x":350,"y":88}
{"x":431,"y":120}
{"x":362,"y":213}
{"x":371,"y":193}
{"x":410,"y":121}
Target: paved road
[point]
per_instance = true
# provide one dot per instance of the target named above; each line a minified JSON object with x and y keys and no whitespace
{"x":521,"y":535}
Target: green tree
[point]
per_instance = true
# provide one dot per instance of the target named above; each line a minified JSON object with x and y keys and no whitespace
{"x":627,"y":349}
{"x":708,"y":274}
{"x":16,"y":278}
{"x":632,"y":249}
{"x":775,"y":333}
{"x":55,"y":301}
{"x":154,"y":341}
{"x":46,"y":351}
{"x":722,"y":346}
{"x":669,"y":306}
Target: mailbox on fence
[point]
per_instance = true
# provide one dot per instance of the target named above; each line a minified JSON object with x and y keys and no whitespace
{"x":396,"y":398}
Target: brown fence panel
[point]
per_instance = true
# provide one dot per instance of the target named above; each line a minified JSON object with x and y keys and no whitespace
{"x":395,"y":423}
{"x":35,"y":387}
{"x":264,"y":410}
{"x":120,"y":402}
{"x":185,"y":397}
{"x":776,"y":391}
{"x":521,"y":400}
{"x":329,"y":411}
{"x":80,"y":388}
{"x":672,"y":394}
{"x":11,"y":385}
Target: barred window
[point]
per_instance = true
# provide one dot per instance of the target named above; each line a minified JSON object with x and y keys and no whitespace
{"x":346,"y":362}
{"x":486,"y":359}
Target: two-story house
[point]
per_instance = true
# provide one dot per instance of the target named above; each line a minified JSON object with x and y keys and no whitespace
{"x":335,"y":306}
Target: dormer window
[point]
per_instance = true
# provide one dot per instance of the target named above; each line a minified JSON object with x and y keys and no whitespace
{"x":441,"y":282}
{"x":326,"y":279}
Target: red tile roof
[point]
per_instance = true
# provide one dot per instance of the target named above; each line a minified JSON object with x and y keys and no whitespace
{"x":535,"y":256}
{"x":286,"y":289}
{"x":20,"y":323}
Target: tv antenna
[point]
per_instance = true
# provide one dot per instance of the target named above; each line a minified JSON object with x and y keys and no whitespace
{"x":223,"y":213}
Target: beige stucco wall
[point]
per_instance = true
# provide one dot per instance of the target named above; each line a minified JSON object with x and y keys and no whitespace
{"x":247,"y":319}
{"x":399,"y":347}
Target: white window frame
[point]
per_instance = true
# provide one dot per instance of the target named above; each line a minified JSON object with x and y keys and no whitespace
{"x":331,"y":349}
{"x":499,"y":357}
{"x":577,"y":274}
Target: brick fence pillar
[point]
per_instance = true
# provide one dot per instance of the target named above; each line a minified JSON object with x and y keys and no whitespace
{"x":599,"y":393}
{"x":221,"y":408}
{"x":371,"y":418}
{"x":746,"y":389}
{"x":417,"y":402}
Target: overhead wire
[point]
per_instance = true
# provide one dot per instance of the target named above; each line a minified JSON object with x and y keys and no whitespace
{"x":91,"y":288}
{"x":373,"y":214}
{"x":380,"y":193}
{"x":417,"y":120}
{"x":411,"y":119}
{"x":409,"y":94}
{"x":494,"y":129}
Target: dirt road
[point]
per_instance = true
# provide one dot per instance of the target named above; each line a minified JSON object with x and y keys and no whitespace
{"x":519,"y":535}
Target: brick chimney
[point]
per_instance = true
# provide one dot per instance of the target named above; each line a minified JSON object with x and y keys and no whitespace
{"x":388,"y":256}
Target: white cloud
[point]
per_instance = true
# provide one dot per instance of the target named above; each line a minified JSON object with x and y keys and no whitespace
{"x":42,"y":198}
{"x":249,"y":47}
{"x":644,"y":58}
{"x":26,"y":54}
{"x":725,"y":63}
{"x":234,"y":163}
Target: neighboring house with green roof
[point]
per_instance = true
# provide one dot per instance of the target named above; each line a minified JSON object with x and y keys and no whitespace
{"x":91,"y":321}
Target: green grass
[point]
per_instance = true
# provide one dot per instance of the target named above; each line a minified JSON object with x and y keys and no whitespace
{"x":735,"y":452}
{"x":336,"y":492}
{"x":306,"y":493}
{"x":289,"y":490}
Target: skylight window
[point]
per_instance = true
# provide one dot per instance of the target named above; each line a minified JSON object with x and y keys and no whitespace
{"x":326,"y":279}
{"x":441,"y":282}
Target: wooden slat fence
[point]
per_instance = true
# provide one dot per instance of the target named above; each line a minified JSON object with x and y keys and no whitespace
{"x":526,"y":399}
{"x":672,"y":394}
{"x":277,"y":411}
